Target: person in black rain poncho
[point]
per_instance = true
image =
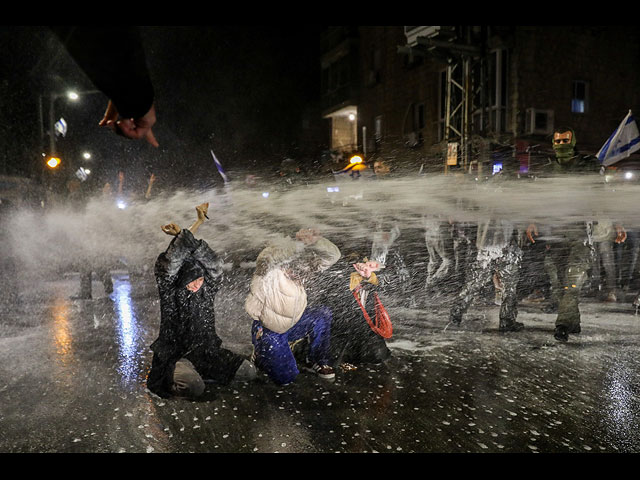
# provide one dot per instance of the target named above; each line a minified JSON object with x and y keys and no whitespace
{"x":353,"y":341}
{"x":188,"y":351}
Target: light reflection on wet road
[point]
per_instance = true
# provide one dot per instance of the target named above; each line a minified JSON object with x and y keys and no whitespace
{"x":62,"y":336}
{"x":72,"y":380}
{"x":127,"y":328}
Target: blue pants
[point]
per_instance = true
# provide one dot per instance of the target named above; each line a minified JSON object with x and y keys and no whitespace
{"x":272,"y":351}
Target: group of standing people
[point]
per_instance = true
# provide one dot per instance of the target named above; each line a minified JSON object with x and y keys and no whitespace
{"x":565,"y":262}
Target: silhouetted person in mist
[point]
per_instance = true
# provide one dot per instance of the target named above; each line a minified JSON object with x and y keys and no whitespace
{"x":78,"y":196}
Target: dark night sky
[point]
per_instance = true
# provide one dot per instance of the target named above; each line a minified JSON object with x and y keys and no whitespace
{"x":240,"y":90}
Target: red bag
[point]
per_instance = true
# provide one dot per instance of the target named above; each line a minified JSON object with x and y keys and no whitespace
{"x":382,"y":324}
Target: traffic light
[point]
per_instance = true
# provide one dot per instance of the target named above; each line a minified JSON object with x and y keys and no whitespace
{"x":53,"y":162}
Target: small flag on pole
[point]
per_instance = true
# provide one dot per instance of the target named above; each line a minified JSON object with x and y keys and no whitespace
{"x":219,"y":166}
{"x":61,"y":127}
{"x":622,"y":143}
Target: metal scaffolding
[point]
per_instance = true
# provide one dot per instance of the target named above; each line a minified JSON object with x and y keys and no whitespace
{"x":465,"y":85}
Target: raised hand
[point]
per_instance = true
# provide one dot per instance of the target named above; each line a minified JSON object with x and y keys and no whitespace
{"x":171,"y":229}
{"x":135,"y":128}
{"x":202,"y":210}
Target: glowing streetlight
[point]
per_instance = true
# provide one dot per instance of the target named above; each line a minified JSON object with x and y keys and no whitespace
{"x":86,"y":155}
{"x":71,"y":95}
{"x":53,"y":162}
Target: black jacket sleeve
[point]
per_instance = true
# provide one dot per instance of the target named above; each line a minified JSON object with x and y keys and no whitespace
{"x":168,"y":264}
{"x":114,"y":60}
{"x":209,"y":260}
{"x":183,"y":246}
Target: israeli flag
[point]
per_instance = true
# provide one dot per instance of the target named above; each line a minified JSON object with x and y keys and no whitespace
{"x":219,"y":166}
{"x":622,"y":143}
{"x":61,"y":127}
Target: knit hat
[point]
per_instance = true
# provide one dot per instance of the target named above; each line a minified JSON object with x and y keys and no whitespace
{"x":190,"y":271}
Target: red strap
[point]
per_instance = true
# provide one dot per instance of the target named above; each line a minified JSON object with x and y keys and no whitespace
{"x":382,"y":325}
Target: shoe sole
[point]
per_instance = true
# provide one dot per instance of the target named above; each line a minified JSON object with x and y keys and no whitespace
{"x":331,"y":376}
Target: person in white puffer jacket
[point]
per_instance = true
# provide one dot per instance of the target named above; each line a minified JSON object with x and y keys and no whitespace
{"x":277,"y":303}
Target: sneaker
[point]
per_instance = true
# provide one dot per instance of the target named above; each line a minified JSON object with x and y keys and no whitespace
{"x":511,"y":327}
{"x":323,"y":371}
{"x":561,"y":334}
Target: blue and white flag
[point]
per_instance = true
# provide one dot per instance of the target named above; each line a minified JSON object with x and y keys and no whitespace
{"x":61,"y":127}
{"x":219,"y":166}
{"x":622,"y":143}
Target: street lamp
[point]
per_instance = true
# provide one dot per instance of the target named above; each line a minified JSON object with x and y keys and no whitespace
{"x":53,"y":162}
{"x":71,"y":95}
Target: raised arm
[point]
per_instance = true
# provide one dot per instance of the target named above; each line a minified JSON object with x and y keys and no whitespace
{"x":181,"y":247}
{"x":201,"y":211}
{"x":319,"y":253}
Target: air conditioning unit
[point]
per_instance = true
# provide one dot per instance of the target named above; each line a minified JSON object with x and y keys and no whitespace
{"x":412,"y":34}
{"x":538,"y":121}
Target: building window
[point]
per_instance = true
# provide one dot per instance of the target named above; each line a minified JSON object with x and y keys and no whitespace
{"x":579,"y":98}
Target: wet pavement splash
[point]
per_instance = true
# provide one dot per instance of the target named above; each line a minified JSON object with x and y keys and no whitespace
{"x":72,"y":379}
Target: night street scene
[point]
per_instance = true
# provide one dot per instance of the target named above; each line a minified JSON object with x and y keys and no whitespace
{"x":320,"y":240}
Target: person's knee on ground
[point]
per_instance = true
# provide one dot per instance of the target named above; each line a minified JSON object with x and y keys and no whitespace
{"x":282,"y":374}
{"x":187,"y":382}
{"x":273,"y":356}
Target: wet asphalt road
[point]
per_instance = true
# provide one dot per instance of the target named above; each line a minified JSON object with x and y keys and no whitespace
{"x":72,"y":380}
